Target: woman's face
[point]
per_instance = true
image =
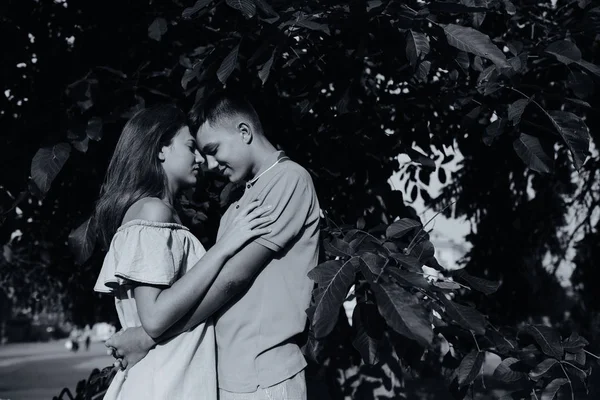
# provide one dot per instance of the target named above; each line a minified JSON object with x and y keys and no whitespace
{"x":181,"y":160}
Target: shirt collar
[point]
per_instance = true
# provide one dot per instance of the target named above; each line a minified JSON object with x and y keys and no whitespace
{"x":273,"y":158}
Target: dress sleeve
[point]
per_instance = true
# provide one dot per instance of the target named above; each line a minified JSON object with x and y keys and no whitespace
{"x":141,"y":254}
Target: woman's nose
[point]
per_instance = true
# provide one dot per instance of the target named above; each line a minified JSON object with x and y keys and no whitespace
{"x":198,"y":158}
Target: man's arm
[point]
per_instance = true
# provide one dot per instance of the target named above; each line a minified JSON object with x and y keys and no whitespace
{"x":134,"y":343}
{"x":235,"y":276}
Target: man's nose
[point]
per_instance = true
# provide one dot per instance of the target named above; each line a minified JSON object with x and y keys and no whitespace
{"x":211,"y":162}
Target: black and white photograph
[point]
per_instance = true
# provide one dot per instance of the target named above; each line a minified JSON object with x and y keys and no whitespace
{"x":300,"y":200}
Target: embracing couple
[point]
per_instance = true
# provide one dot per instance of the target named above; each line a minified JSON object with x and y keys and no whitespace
{"x":216,"y":324}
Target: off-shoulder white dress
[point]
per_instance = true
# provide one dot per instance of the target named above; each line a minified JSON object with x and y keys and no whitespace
{"x":185,"y":366}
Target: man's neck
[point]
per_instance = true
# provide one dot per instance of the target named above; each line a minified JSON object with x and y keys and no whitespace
{"x":263,"y":157}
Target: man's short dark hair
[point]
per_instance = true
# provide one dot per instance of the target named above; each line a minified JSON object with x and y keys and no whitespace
{"x":219,"y":106}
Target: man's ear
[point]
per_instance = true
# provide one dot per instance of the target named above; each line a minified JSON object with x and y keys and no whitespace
{"x":245,"y":131}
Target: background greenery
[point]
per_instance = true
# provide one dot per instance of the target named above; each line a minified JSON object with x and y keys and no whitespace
{"x":344,"y":88}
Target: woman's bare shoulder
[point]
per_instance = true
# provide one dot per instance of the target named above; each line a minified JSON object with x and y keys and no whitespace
{"x":149,"y":209}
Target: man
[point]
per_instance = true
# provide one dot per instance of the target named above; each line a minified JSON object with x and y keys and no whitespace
{"x":259,"y":298}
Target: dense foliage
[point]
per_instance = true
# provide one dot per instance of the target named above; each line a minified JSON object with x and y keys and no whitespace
{"x":344,"y":88}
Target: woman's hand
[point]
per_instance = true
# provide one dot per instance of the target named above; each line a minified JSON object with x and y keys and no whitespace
{"x":129,"y":346}
{"x":247,"y":225}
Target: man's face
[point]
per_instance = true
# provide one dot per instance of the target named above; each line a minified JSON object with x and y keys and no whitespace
{"x":224,"y":149}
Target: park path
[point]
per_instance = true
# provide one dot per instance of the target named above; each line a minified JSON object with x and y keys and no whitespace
{"x":39,"y":371}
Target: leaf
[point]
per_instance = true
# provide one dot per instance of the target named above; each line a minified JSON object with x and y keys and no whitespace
{"x":313,"y":25}
{"x":246,"y":7}
{"x":593,"y":68}
{"x":442,"y":175}
{"x":363,"y":242}
{"x":448,"y":285}
{"x":157,"y":29}
{"x":578,"y":372}
{"x":228,"y":65}
{"x":505,"y":373}
{"x":372,"y":4}
{"x":47,"y":163}
{"x":372,"y":265}
{"x":467,"y":317}
{"x":81,"y":145}
{"x":470,"y":367}
{"x":401,"y":227}
{"x":565,"y":51}
{"x":515,"y":66}
{"x":575,"y":343}
{"x":503,"y":344}
{"x":369,"y":327}
{"x":7,"y":253}
{"x":493,"y":130}
{"x":190,"y":11}
{"x":543,"y":367}
{"x":455,"y":8}
{"x":188,"y":76}
{"x":414,"y":193}
{"x":82,"y":241}
{"x":409,"y":262}
{"x":408,"y":278}
{"x":417,"y":46}
{"x":477,"y":64}
{"x":422,"y":160}
{"x":553,"y":387}
{"x":304,"y":106}
{"x":579,"y":102}
{"x":581,"y":84}
{"x":509,"y":7}
{"x":530,"y":150}
{"x":547,"y":338}
{"x":265,"y":69}
{"x":424,"y":249}
{"x":403,"y":313}
{"x":259,"y":54}
{"x":94,"y":129}
{"x":482,"y":285}
{"x":515,"y":47}
{"x":423,"y":71}
{"x":578,"y":357}
{"x":266,"y":8}
{"x":342,"y":105}
{"x":333,"y":279}
{"x":361,"y":223}
{"x":478,"y":19}
{"x":487,"y":75}
{"x":574,"y":132}
{"x":306,"y":21}
{"x":516,"y":109}
{"x":113,"y":71}
{"x":472,"y":116}
{"x":462,"y":59}
{"x":337,"y":247}
{"x":475,"y":42}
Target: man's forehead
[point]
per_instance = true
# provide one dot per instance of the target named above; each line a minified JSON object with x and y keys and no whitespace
{"x":207,"y":137}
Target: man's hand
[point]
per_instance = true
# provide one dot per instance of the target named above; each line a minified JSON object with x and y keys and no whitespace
{"x":129,"y":346}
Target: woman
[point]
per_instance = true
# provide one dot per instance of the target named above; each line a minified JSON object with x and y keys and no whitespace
{"x":156,"y":269}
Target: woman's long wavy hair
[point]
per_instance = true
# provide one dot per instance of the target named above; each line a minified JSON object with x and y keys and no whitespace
{"x":135,"y":170}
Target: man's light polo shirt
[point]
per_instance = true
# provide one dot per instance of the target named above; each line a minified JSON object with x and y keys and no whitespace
{"x":254,"y":332}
